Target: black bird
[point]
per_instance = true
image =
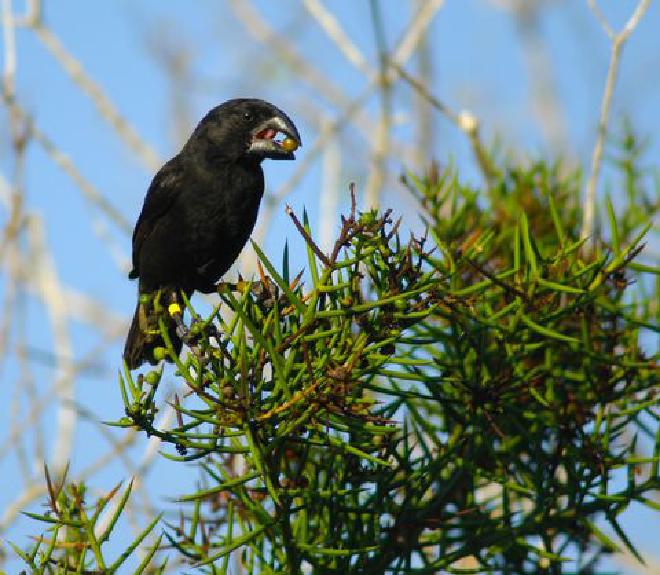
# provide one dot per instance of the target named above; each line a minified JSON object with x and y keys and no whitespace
{"x":199,"y":212}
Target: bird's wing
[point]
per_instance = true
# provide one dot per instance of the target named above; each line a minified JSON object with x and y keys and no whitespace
{"x":162,"y":192}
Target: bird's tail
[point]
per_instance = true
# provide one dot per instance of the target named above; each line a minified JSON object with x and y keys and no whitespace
{"x":144,"y":334}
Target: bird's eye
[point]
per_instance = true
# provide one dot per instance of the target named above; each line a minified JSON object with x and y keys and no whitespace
{"x":247,"y":116}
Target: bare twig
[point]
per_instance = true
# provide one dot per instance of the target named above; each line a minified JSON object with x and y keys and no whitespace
{"x":335,"y":32}
{"x":310,"y":242}
{"x":173,"y":53}
{"x":424,"y":116}
{"x":411,"y":38}
{"x":5,"y":192}
{"x":401,"y":53}
{"x":617,"y":40}
{"x":9,"y":37}
{"x":330,"y":186}
{"x":261,"y":30}
{"x":51,"y":293}
{"x":14,"y":191}
{"x":545,"y":100}
{"x":464,"y":121}
{"x":89,"y":191}
{"x":106,"y":108}
{"x":31,"y":15}
{"x":381,"y":141}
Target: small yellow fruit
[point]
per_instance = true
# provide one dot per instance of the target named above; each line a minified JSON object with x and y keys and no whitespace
{"x":160,"y":353}
{"x":289,"y":144}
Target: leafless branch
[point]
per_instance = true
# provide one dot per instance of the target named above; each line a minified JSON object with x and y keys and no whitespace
{"x":465,"y":121}
{"x":47,"y":279}
{"x":544,"y":97}
{"x":90,"y":192}
{"x":330,"y":188}
{"x":106,"y":108}
{"x":617,"y":42}
{"x":336,"y":33}
{"x":9,"y":36}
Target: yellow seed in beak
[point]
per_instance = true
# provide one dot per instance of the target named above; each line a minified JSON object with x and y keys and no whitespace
{"x":289,"y":144}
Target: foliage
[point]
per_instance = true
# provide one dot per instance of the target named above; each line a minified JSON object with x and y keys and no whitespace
{"x":74,"y":542}
{"x":471,"y":401}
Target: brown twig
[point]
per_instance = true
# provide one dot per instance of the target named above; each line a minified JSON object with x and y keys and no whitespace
{"x":308,"y":238}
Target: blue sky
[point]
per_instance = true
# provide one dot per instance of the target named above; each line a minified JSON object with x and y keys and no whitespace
{"x":479,"y":63}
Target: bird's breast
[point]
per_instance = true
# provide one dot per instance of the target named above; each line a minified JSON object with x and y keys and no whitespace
{"x":220,"y":220}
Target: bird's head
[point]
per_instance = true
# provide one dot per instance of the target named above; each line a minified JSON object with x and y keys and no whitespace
{"x":248,"y":128}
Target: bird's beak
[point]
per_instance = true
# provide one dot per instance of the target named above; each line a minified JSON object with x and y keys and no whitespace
{"x":267,"y":140}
